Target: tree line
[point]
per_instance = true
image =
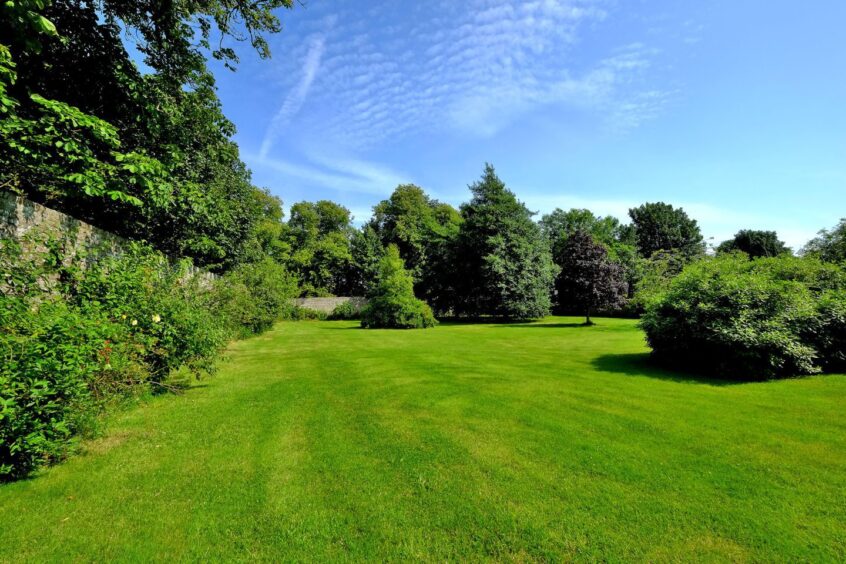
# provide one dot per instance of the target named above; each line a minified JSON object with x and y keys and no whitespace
{"x":490,"y":257}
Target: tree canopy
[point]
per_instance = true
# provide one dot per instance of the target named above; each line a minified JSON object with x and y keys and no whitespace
{"x":319,"y":234}
{"x":754,"y":243}
{"x":147,"y":156}
{"x":830,"y":244}
{"x":661,"y":227}
{"x":414,"y":223}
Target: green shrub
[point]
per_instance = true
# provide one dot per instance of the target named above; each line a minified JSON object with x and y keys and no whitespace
{"x":255,"y":295}
{"x":392,"y":303}
{"x":58,"y":368}
{"x":737,"y":318}
{"x":829,"y":337}
{"x":163,"y":307}
{"x":78,"y":332}
{"x":346,"y":311}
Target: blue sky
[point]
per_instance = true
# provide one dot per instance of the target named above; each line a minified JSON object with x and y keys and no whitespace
{"x":732,"y":109}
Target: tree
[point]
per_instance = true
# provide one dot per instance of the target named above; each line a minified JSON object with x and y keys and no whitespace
{"x":319,"y":234}
{"x":392,"y":303}
{"x":754,"y":243}
{"x":414,"y":223}
{"x":558,"y":225}
{"x":146,"y":156}
{"x":618,"y":239}
{"x":661,"y":227}
{"x":366,"y":254}
{"x":502,"y":264}
{"x":589,"y":280}
{"x":174,"y":36}
{"x":829,"y":245}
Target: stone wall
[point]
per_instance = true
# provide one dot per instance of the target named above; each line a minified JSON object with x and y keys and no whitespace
{"x":327,"y":305}
{"x":20,"y":217}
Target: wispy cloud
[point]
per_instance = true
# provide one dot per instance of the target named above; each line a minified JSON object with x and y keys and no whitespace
{"x":343,"y":175}
{"x":296,"y":98}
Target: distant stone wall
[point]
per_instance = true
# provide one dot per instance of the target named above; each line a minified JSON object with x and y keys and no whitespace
{"x":20,"y":217}
{"x":327,"y":305}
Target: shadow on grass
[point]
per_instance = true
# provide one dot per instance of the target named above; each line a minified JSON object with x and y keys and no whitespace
{"x":505,"y":322}
{"x":642,"y":364}
{"x":548,"y":325}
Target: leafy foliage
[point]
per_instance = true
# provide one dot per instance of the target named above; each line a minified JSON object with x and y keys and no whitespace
{"x":319,"y":235}
{"x":53,"y":360}
{"x":754,"y":243}
{"x":829,"y":245}
{"x":503,"y":265}
{"x":618,"y":240}
{"x":255,"y":295}
{"x":366,"y":252}
{"x":654,"y":277}
{"x":392,"y":303}
{"x":412,"y":221}
{"x":559,"y":225}
{"x":146,"y":156}
{"x":589,"y":281}
{"x":346,"y":311}
{"x":661,"y":227}
{"x":78,"y":331}
{"x":768,"y":318}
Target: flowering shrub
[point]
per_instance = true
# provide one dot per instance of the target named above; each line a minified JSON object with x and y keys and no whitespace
{"x":163,"y":308}
{"x":76,"y":334}
{"x":58,"y":365}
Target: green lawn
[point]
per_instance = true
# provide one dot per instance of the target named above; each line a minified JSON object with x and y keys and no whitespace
{"x":543,"y":441}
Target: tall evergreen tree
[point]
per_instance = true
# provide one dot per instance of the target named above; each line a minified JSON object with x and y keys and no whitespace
{"x":503,"y":265}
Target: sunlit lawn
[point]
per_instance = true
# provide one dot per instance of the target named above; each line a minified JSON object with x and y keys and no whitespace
{"x":543,"y":441}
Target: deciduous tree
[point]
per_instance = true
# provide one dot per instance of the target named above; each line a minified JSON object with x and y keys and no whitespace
{"x":661,"y":227}
{"x":829,"y":245}
{"x":589,"y":280}
{"x":754,"y":243}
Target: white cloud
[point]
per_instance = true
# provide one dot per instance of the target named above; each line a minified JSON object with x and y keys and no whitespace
{"x":296,"y":98}
{"x":340,"y":174}
{"x":475,"y":67}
